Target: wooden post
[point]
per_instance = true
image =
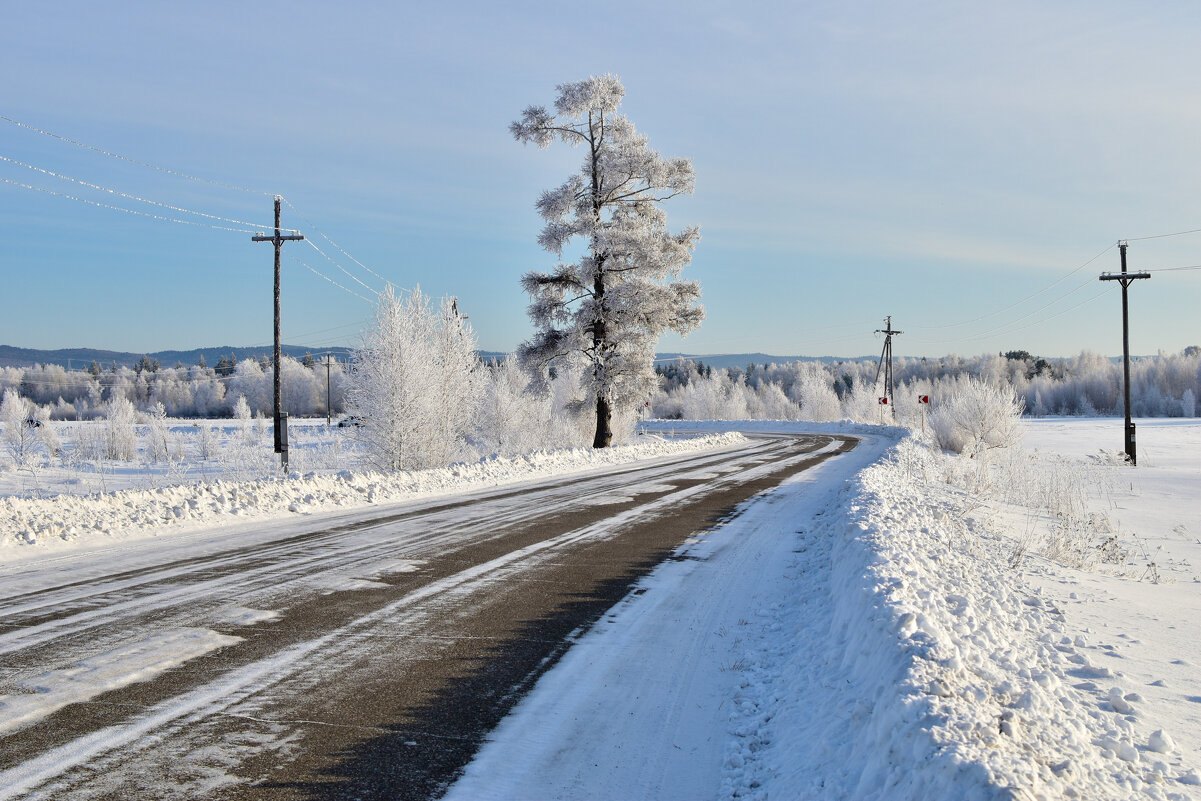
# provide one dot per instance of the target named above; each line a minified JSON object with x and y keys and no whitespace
{"x":886,"y":363}
{"x":1125,"y":278}
{"x":328,"y":411}
{"x":278,"y":239}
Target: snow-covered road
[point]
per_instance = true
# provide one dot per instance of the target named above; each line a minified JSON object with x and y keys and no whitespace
{"x":362,"y":652}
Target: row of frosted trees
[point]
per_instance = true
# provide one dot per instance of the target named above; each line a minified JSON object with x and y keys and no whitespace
{"x":1166,"y":385}
{"x":182,"y":391}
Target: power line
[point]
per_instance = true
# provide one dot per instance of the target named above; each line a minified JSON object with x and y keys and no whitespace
{"x":1162,"y":236}
{"x":119,"y":193}
{"x":332,"y":242}
{"x":1047,"y":288}
{"x":350,"y":275}
{"x":1009,"y":326}
{"x":327,"y":278}
{"x":128,"y":211}
{"x":190,"y":177}
{"x":1009,"y":329}
{"x":131,"y":160}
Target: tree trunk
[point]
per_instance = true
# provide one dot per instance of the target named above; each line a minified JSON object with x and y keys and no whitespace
{"x":604,"y":423}
{"x":600,"y":335}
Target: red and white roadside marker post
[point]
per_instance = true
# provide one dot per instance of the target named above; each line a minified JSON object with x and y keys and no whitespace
{"x":883,"y":403}
{"x":923,"y":401}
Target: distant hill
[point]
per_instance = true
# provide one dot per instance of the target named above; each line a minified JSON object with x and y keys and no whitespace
{"x":80,"y":358}
{"x":727,"y":360}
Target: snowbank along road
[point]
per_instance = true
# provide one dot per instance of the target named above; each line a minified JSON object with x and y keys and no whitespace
{"x":349,"y":657}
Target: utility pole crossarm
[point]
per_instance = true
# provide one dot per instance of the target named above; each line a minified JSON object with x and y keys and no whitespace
{"x":1123,"y":277}
{"x":277,"y":237}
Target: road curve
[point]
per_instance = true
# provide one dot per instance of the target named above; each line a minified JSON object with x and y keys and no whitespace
{"x":353,"y":659}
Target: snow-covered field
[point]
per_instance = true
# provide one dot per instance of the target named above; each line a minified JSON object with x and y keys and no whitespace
{"x":895,"y":631}
{"x":191,"y":451}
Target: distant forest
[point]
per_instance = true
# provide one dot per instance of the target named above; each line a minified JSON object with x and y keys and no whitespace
{"x":1165,"y":385}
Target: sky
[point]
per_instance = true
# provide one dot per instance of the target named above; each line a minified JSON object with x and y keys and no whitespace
{"x":957,"y":166}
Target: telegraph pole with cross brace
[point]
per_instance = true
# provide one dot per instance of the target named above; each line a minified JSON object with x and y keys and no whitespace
{"x":1125,"y":278}
{"x":886,"y":354}
{"x":281,"y":420}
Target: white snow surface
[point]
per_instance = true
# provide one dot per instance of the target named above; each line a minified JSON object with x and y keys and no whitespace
{"x":31,"y":526}
{"x":886,"y":625}
{"x":865,"y":631}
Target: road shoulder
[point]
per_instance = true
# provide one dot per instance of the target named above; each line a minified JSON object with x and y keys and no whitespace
{"x":660,"y":698}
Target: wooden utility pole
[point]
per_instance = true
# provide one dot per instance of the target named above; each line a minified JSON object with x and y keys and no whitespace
{"x":328,"y":361}
{"x":281,"y":432}
{"x":1125,"y":278}
{"x":886,"y":363}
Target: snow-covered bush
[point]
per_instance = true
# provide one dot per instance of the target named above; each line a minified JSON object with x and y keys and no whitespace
{"x":777,"y":406}
{"x":89,"y":443}
{"x":20,"y":437}
{"x":573,"y":421}
{"x":251,"y":382}
{"x":156,"y":433}
{"x":414,"y":385}
{"x":973,"y":417}
{"x":242,"y":415}
{"x":816,"y":396}
{"x":47,"y":435}
{"x":206,"y":442}
{"x":862,"y":402}
{"x":120,"y":433}
{"x":514,"y":416}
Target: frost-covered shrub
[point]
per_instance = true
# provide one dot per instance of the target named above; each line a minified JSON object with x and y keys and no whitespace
{"x":414,"y":384}
{"x":47,"y":435}
{"x":156,"y":438}
{"x":973,"y":417}
{"x":242,"y":411}
{"x":573,"y":420}
{"x":20,"y":438}
{"x":206,"y":442}
{"x":252,"y":383}
{"x":862,"y":403}
{"x":777,"y":406}
{"x":63,"y":410}
{"x":242,"y":415}
{"x":89,"y":443}
{"x":715,"y":396}
{"x":818,"y":401}
{"x":120,"y":433}
{"x":514,"y":416}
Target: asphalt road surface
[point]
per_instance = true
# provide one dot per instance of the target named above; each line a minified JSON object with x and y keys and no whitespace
{"x":351,"y":658}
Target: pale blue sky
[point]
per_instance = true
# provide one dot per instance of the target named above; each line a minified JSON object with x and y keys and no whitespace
{"x":939,"y":162}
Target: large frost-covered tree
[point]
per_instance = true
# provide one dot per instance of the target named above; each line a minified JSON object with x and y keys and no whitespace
{"x":609,"y":307}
